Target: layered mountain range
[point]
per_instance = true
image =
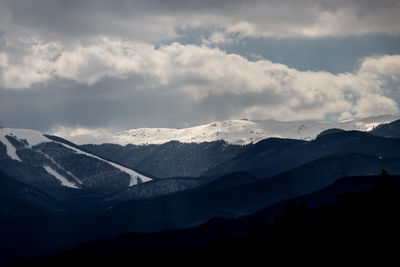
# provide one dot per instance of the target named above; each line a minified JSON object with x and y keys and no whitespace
{"x":56,"y":194}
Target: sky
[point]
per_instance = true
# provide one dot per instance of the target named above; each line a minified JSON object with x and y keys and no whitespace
{"x":86,"y":65}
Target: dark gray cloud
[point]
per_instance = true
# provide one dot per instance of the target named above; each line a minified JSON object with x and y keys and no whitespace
{"x":113,"y":103}
{"x":158,"y":19}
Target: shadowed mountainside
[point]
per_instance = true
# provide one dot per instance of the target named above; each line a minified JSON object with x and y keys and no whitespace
{"x":391,"y":130}
{"x":172,"y":159}
{"x":361,"y":219}
{"x":261,"y":160}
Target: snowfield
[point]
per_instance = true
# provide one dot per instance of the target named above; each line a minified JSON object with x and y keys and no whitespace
{"x":232,"y":131}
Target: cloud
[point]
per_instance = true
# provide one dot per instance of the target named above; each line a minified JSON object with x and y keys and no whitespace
{"x":223,"y":37}
{"x":155,"y":20}
{"x":96,"y":63}
{"x":132,"y":80}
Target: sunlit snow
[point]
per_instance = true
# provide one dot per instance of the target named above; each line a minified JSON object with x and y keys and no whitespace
{"x":232,"y":131}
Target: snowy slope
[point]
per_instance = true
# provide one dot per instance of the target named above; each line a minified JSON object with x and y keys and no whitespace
{"x":232,"y":131}
{"x":59,"y":177}
{"x":34,"y":138}
{"x":11,"y":151}
{"x":134,"y":175}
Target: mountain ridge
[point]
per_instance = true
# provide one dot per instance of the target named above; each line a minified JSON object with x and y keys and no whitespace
{"x":391,"y":130}
{"x":47,"y":163}
{"x":262,"y":161}
{"x":232,"y":131}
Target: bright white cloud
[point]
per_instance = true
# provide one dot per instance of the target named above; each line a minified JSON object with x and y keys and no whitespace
{"x":201,"y":72}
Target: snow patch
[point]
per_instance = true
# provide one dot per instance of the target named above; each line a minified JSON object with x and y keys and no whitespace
{"x":32,"y":137}
{"x":59,"y":177}
{"x":11,"y":151}
{"x":59,"y":166}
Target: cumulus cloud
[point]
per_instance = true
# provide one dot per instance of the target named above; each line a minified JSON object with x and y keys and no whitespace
{"x":201,"y":74}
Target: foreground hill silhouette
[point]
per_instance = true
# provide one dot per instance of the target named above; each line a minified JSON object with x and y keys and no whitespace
{"x":356,"y":226}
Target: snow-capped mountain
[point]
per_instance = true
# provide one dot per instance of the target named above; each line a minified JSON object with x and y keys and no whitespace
{"x":232,"y":131}
{"x":43,"y":161}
